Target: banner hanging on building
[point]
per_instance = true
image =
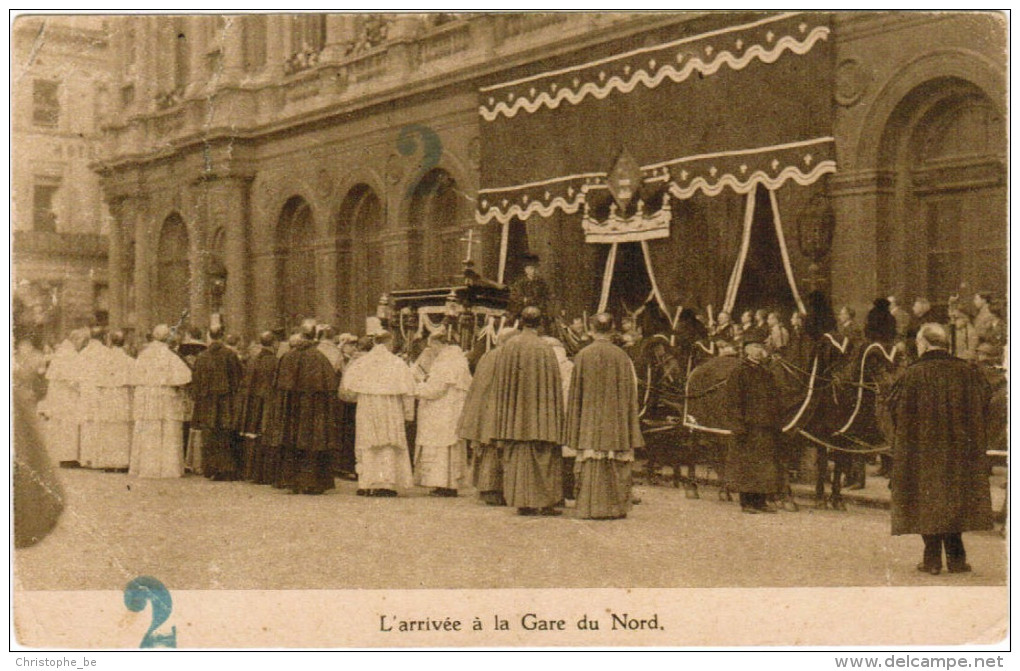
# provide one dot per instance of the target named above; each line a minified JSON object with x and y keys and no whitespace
{"x":735,"y":106}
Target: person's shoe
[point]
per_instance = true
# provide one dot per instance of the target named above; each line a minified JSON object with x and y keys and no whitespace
{"x":550,"y":512}
{"x":790,"y":506}
{"x":925,"y":568}
{"x":838,"y":504}
{"x":768,"y":508}
{"x":437,"y":492}
{"x":385,"y":493}
{"x":362,"y":492}
{"x":527,"y":512}
{"x":963,"y":567}
{"x":750,"y":510}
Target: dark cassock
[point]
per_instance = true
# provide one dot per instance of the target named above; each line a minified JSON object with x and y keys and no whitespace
{"x":276,"y":468}
{"x":939,"y":475}
{"x":754,"y":458}
{"x":603,"y":427}
{"x":528,"y":397}
{"x":478,"y":425}
{"x":254,"y":400}
{"x":306,"y":419}
{"x":214,"y":385}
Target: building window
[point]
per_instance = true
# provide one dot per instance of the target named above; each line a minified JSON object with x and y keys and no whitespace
{"x":45,"y":103}
{"x":43,"y":216}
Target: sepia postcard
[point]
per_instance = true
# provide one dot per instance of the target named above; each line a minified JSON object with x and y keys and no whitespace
{"x":510,"y":330}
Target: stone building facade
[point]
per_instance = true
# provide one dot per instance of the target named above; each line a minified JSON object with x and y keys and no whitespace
{"x":266,"y":168}
{"x":59,"y":219}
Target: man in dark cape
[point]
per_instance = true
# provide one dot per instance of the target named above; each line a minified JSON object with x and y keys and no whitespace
{"x":754,"y":460}
{"x":528,"y":398}
{"x":306,"y":417}
{"x":478,"y":422}
{"x":603,"y":426}
{"x":274,"y":420}
{"x":940,"y":472}
{"x":214,"y":384}
{"x":253,"y":401}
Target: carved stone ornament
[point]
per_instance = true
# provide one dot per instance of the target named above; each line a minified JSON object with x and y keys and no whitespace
{"x":394,"y":169}
{"x":852,"y":81}
{"x":324,"y":183}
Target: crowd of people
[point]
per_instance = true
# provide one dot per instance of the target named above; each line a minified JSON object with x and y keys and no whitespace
{"x":536,"y":421}
{"x":300,"y":413}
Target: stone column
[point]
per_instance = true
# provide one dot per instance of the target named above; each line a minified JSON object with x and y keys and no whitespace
{"x":274,"y":47}
{"x":196,"y":36}
{"x":402,"y":53}
{"x":146,"y":83}
{"x":225,"y":206}
{"x":199,"y":231}
{"x":115,"y":272}
{"x":233,"y":50}
{"x":144,"y":261}
{"x":325,"y":281}
{"x":341,"y":30}
{"x":859,"y":201}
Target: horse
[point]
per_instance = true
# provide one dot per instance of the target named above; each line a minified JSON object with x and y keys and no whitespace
{"x":832,"y":402}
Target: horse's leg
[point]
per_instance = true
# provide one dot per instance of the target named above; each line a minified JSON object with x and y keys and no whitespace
{"x":839,"y":463}
{"x":822,"y":466}
{"x":690,"y":460}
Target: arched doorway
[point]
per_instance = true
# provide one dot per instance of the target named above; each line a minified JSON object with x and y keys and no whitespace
{"x":435,"y":213}
{"x":296,"y":242}
{"x":360,"y":274}
{"x":173,"y":271}
{"x":946,"y":144}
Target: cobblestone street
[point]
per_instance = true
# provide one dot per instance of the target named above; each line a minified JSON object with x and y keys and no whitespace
{"x":192,"y":533}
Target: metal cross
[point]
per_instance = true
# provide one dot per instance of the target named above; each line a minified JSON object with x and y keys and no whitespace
{"x":470,"y":240}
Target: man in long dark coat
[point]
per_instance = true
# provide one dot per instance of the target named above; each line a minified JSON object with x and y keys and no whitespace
{"x":306,"y":417}
{"x":477,"y":425}
{"x":754,"y":460}
{"x":528,"y":397}
{"x":940,"y":472}
{"x":603,"y":425}
{"x":253,"y":401}
{"x":214,"y":384}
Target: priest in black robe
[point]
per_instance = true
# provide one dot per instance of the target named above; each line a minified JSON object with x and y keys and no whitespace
{"x":306,"y":417}
{"x":528,"y":398}
{"x":214,"y":385}
{"x":253,"y":400}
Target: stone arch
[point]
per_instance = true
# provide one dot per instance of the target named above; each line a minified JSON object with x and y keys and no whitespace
{"x":296,"y":277}
{"x":435,"y":213}
{"x":943,"y":151}
{"x":173,"y":270}
{"x":956,"y":63}
{"x":360,"y":268}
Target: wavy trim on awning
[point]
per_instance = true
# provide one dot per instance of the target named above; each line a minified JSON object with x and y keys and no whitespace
{"x":803,"y":162}
{"x":601,"y":80}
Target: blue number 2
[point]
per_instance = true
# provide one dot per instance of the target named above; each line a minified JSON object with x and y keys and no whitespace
{"x":144,"y":590}
{"x":431,"y":148}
